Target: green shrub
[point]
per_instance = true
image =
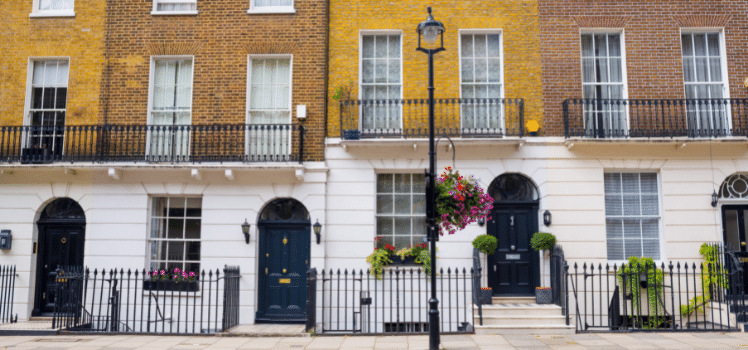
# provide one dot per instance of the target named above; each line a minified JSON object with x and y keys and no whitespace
{"x":542,"y":241}
{"x":486,"y":244}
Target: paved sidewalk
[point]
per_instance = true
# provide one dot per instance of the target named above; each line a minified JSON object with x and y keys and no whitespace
{"x":482,"y":342}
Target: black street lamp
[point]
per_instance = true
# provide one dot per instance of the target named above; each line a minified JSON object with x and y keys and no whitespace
{"x":431,"y":31}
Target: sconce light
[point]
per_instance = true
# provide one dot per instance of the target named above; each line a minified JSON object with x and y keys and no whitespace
{"x":5,"y":239}
{"x":714,"y":199}
{"x":245,"y":230}
{"x":317,"y":229}
{"x":547,"y":218}
{"x":481,"y":222}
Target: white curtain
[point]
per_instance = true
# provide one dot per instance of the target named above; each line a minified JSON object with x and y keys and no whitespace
{"x":172,"y":104}
{"x":269,"y":136}
{"x":52,"y":5}
{"x":481,"y":79}
{"x":602,"y":81}
{"x":188,"y":5}
{"x":702,"y":74}
{"x":380,"y":81}
{"x":262,"y":3}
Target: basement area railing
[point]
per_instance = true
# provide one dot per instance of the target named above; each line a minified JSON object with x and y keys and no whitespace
{"x":7,"y":293}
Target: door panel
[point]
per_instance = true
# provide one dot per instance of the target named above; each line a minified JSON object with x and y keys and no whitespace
{"x":512,"y":269}
{"x":59,"y":246}
{"x":734,"y":228}
{"x":284,"y":256}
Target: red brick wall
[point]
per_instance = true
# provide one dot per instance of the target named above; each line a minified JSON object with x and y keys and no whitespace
{"x":220,"y":37}
{"x":652,"y":31}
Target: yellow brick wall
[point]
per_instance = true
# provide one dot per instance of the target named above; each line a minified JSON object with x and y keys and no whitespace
{"x":80,"y":39}
{"x":517,"y":19}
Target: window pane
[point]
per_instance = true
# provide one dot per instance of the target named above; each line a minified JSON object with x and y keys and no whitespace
{"x":687,"y":45}
{"x":192,"y":229}
{"x":402,"y":183}
{"x":402,"y":204}
{"x":494,"y":46}
{"x":176,"y":229}
{"x":380,"y":47}
{"x":713,"y":42}
{"x":700,"y":44}
{"x":384,"y":204}
{"x":480,"y":45}
{"x":587,"y":46}
{"x":601,"y":45}
{"x":384,"y":183}
{"x":613,"y":205}
{"x":384,"y":226}
{"x":688,"y":70}
{"x":614,"y":45}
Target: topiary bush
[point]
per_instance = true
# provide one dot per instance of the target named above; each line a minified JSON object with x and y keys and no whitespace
{"x":486,"y":244}
{"x":542,"y":241}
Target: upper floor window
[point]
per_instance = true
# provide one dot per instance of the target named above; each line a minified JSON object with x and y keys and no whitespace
{"x":271,"y":6}
{"x":603,"y":81}
{"x":481,"y":78}
{"x":167,"y":7}
{"x":171,"y":107}
{"x":53,"y":8}
{"x":48,"y":103}
{"x":381,"y":62}
{"x":704,"y":79}
{"x":269,"y":103}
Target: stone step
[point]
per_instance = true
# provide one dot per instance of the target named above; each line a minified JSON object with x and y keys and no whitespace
{"x":524,"y":329}
{"x":511,"y":320}
{"x":519,"y":309}
{"x":513,"y":300}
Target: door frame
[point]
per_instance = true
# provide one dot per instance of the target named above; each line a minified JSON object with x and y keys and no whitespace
{"x":43,"y":229}
{"x":305,"y":226}
{"x":723,"y":211}
{"x":533,"y":206}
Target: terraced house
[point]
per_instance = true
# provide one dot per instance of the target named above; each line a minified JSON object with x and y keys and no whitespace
{"x":143,"y":135}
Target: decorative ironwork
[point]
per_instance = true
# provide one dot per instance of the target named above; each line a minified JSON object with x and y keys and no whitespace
{"x":513,"y":187}
{"x":285,"y":210}
{"x":735,"y":187}
{"x":63,"y":209}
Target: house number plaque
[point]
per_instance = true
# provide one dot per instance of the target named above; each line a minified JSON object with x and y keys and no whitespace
{"x":284,"y":280}
{"x":512,"y":256}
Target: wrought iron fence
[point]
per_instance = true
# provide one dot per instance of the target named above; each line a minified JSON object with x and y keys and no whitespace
{"x":455,"y":117}
{"x":152,"y":143}
{"x":7,"y":293}
{"x":119,"y":301}
{"x":356,"y":302}
{"x":648,"y":297}
{"x":558,"y":281}
{"x":620,"y":118}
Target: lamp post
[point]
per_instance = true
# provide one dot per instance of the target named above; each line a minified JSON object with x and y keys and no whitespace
{"x":431,"y":31}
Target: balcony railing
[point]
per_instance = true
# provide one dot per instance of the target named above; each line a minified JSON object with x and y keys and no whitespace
{"x":152,"y":143}
{"x":694,"y":118}
{"x":455,"y":117}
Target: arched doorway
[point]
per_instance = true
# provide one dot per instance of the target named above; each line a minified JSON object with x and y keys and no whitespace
{"x":734,"y":196}
{"x":513,"y":269}
{"x":284,"y":249}
{"x":61,"y":241}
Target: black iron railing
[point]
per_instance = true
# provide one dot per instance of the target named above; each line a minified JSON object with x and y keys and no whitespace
{"x":7,"y":293}
{"x":477,"y":269}
{"x":119,"y":301}
{"x":610,"y":118}
{"x":311,"y":300}
{"x":558,"y":281}
{"x":455,"y":117}
{"x":356,"y":302}
{"x":152,"y":143}
{"x":655,"y":297}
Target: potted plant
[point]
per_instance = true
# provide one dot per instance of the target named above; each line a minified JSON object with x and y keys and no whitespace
{"x":486,"y":244}
{"x":486,"y":295}
{"x":542,"y":241}
{"x":543,"y":295}
{"x":177,"y":281}
{"x":343,"y":92}
{"x":460,"y":201}
{"x":387,"y":254}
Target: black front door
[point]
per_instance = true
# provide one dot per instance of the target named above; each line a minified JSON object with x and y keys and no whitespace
{"x":513,"y":268}
{"x":284,"y":260}
{"x":60,"y":245}
{"x":734,"y":227}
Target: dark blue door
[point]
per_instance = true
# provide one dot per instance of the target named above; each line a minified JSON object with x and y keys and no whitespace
{"x":283,"y":262}
{"x":513,"y":268}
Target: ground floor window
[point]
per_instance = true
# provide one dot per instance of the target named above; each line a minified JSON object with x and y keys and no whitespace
{"x":175,"y":233}
{"x":401,"y":209}
{"x":632,"y":215}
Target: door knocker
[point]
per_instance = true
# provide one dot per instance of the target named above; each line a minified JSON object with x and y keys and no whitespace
{"x":284,"y":270}
{"x":285,"y":240}
{"x":64,"y":240}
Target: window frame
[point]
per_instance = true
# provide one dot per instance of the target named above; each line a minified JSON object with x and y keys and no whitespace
{"x":271,"y":9}
{"x":723,"y":61}
{"x":156,"y":12}
{"x":394,"y":172}
{"x":151,"y":82}
{"x":502,"y":84}
{"x":149,"y":228}
{"x":660,"y":223}
{"x":30,"y":80}
{"x":249,"y":82}
{"x":36,"y":13}
{"x":375,"y":32}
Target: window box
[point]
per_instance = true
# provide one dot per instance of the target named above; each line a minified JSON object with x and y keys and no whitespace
{"x":170,"y":285}
{"x":351,"y":134}
{"x":35,"y":156}
{"x":408,"y":261}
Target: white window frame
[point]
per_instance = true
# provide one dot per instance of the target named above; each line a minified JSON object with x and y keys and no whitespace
{"x":723,"y":62}
{"x":411,"y":193}
{"x":270,"y":9}
{"x":486,"y":31}
{"x":155,"y":10}
{"x":35,"y":12}
{"x":151,"y":78}
{"x":369,"y":32}
{"x":624,"y":71}
{"x":30,"y":80}
{"x":661,"y":221}
{"x":149,"y":226}
{"x":249,"y":97}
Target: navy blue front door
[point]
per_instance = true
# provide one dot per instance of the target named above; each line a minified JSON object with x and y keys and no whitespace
{"x":283,"y":262}
{"x":513,"y":268}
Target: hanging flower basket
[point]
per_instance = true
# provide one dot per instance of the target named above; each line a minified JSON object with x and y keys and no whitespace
{"x":460,"y":201}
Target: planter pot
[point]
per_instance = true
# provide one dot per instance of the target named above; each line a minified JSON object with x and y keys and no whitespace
{"x":543,"y":296}
{"x":170,"y":285}
{"x":486,"y":296}
{"x":409,"y":260}
{"x":351,"y":134}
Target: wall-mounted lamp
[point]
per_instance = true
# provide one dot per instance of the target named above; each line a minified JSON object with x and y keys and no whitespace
{"x":5,"y":239}
{"x":245,"y":230}
{"x":317,"y":229}
{"x":715,"y":197}
{"x":481,"y":222}
{"x":547,"y":218}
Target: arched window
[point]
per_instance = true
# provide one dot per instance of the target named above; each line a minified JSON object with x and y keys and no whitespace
{"x":63,"y":209}
{"x":284,"y":210}
{"x":734,"y":187}
{"x":513,"y":188}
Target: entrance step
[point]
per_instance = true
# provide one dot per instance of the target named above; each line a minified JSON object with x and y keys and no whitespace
{"x":524,"y":329}
{"x":520,"y":315}
{"x":521,"y":309}
{"x":513,"y":300}
{"x":266,"y":330}
{"x":512,"y":320}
